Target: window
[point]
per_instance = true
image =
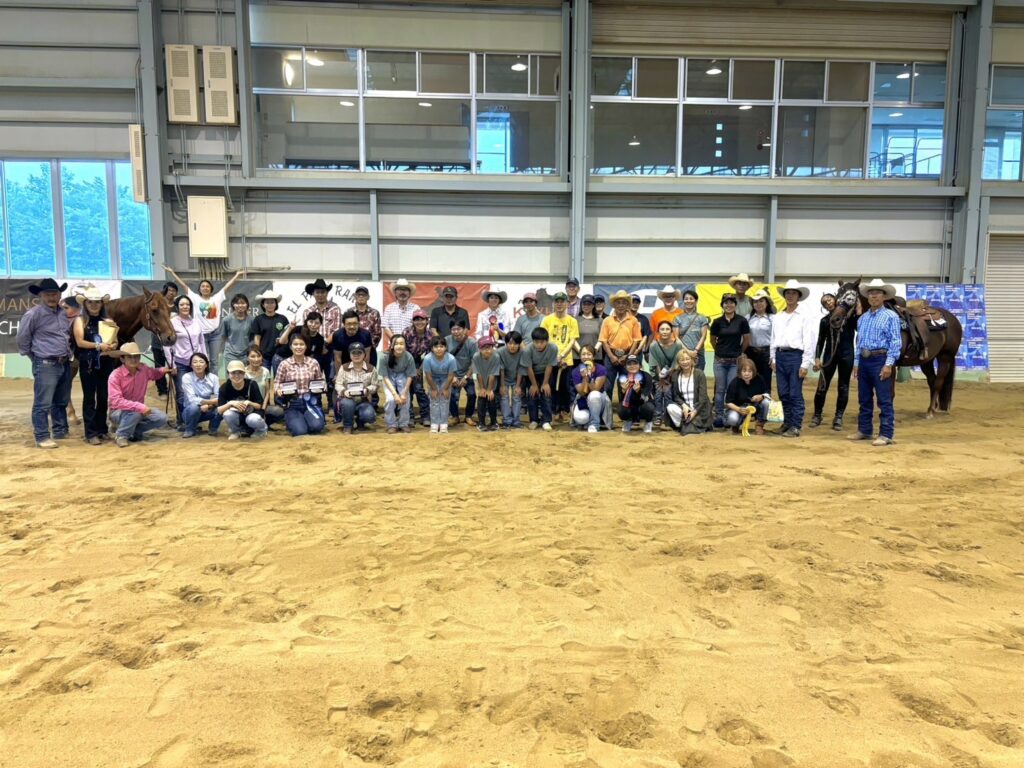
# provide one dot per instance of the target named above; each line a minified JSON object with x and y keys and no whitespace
{"x":892,"y":82}
{"x":848,"y":81}
{"x":516,"y":136}
{"x":132,"y":228}
{"x":504,"y":73}
{"x":634,"y":138}
{"x":332,"y":70}
{"x":803,"y":80}
{"x":444,"y":73}
{"x":86,"y":219}
{"x":707,"y":79}
{"x":724,"y":140}
{"x":906,"y":142}
{"x":611,"y":77}
{"x":418,"y":135}
{"x":1004,"y":130}
{"x":657,"y":78}
{"x":301,"y":132}
{"x":821,"y":141}
{"x":1007,"y":86}
{"x":278,"y":68}
{"x":753,"y":80}
{"x":929,"y":84}
{"x":29,"y":198}
{"x":545,"y":75}
{"x":391,"y":71}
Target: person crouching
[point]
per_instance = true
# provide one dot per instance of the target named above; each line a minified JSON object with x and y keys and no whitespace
{"x":354,"y":385}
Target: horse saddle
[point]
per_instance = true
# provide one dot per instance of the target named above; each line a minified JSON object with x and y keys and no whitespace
{"x":927,"y":318}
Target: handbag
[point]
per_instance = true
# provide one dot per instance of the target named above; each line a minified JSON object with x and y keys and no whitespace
{"x":775,"y":415}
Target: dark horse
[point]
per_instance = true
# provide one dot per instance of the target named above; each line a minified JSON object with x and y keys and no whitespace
{"x":150,"y":311}
{"x":937,"y":359}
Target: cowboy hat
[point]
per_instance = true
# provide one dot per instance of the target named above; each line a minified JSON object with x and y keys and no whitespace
{"x":619,"y":295}
{"x":402,"y":283}
{"x":668,"y":289}
{"x":131,"y":349}
{"x":763,"y":294}
{"x":502,"y":296}
{"x":90,"y":293}
{"x":742,"y":277}
{"x":878,"y":285}
{"x":794,"y":285}
{"x":261,"y":297}
{"x":318,"y":285}
{"x":47,"y":284}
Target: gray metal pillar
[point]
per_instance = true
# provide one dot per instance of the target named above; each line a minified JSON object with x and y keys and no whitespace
{"x":374,"y":238}
{"x":579,"y":169}
{"x":153,"y":128}
{"x":564,"y":86}
{"x":770,"y":239}
{"x":245,"y":98}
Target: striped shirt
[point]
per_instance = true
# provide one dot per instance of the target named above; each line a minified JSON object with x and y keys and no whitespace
{"x":880,"y":329}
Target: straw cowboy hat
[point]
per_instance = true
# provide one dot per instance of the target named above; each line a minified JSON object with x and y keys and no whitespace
{"x":131,"y":349}
{"x":502,"y":296}
{"x":619,"y":295}
{"x":47,"y":284}
{"x":878,"y":285}
{"x":794,"y":285}
{"x":90,"y":293}
{"x":318,"y":284}
{"x":742,"y":277}
{"x":261,"y":297}
{"x":402,"y":283}
{"x":670,"y":290}
{"x":763,"y":294}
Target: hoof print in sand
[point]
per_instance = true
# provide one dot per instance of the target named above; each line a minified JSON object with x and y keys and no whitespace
{"x":739,"y":732}
{"x":630,"y":731}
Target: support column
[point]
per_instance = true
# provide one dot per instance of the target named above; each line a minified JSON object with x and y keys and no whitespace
{"x":770,"y":239}
{"x":374,"y":238}
{"x":245,"y":99}
{"x":153,"y":128}
{"x":579,"y":168}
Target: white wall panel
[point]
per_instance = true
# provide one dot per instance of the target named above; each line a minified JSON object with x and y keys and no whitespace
{"x":312,"y":256}
{"x":307,"y":218}
{"x":58,"y":105}
{"x":1006,"y":214}
{"x":679,"y":223}
{"x":68,"y":140}
{"x":891,"y":223}
{"x":474,"y":223}
{"x":68,"y":63}
{"x":93,"y":27}
{"x":672,"y":261}
{"x":471,"y":259}
{"x":814,"y":260}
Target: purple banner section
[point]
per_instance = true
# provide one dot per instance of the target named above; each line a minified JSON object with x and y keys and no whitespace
{"x":967,"y":302}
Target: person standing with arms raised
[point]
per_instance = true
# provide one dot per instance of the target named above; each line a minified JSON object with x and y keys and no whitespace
{"x":792,"y":355}
{"x":879,"y":344}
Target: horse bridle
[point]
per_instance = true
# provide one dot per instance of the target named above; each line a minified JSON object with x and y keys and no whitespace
{"x":147,"y":318}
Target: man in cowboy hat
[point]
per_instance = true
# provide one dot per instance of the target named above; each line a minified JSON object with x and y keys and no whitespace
{"x":740,"y":284}
{"x":494,"y":322}
{"x":620,"y":337}
{"x":531,"y":318}
{"x":126,"y":394}
{"x":572,"y":290}
{"x":398,"y":314}
{"x":792,"y":355}
{"x":669,"y":310}
{"x":44,"y":337}
{"x":879,"y":344}
{"x":329,"y":311}
{"x":443,"y":317}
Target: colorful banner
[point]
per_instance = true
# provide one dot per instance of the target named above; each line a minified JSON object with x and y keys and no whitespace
{"x":428,"y":296}
{"x":15,"y":301}
{"x":967,"y":303}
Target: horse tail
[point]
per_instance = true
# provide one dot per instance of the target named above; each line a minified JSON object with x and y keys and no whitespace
{"x":946,"y":393}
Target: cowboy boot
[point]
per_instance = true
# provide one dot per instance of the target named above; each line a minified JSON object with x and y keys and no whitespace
{"x":837,"y":423}
{"x":815,"y":420}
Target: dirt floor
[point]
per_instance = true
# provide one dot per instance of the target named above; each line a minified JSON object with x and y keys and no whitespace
{"x":522,"y":599}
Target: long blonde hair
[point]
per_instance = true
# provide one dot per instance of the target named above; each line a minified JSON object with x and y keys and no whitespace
{"x":684,"y":353}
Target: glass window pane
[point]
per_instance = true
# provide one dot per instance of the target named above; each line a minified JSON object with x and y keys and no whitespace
{"x":308,"y":132}
{"x":657,"y":78}
{"x":3,"y":243}
{"x":707,"y":79}
{"x":611,"y":77}
{"x":444,"y":73}
{"x":83,"y":189}
{"x":1008,"y":85}
{"x":821,"y":141}
{"x":418,"y":135}
{"x":892,"y":82}
{"x":721,"y":140}
{"x":1003,"y":134}
{"x":906,"y":143}
{"x":132,"y":228}
{"x":337,"y":70}
{"x":390,"y":71}
{"x":546,"y":73}
{"x":929,"y":83}
{"x":803,"y":80}
{"x":634,"y":138}
{"x":753,"y":80}
{"x":516,"y":136}
{"x":848,"y":80}
{"x":30,"y":218}
{"x":277,"y":68}
{"x":506,"y":73}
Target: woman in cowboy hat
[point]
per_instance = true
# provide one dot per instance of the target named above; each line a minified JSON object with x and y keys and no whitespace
{"x":95,"y":337}
{"x":740,"y":284}
{"x":792,"y":355}
{"x":760,"y":322}
{"x":494,"y":322}
{"x":268,"y":327}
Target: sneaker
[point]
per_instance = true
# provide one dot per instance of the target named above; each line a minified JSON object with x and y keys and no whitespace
{"x":121,"y":442}
{"x":405,"y":429}
{"x":791,"y":432}
{"x":858,"y":436}
{"x":47,"y":443}
{"x":627,"y":426}
{"x":470,"y":422}
{"x":434,"y":429}
{"x":346,"y":430}
{"x":259,"y":435}
{"x":648,"y":428}
{"x":94,"y":440}
{"x":426,"y":423}
{"x":233,"y":436}
{"x":815,"y":420}
{"x":516,"y":426}
{"x":187,"y":434}
{"x":492,"y":428}
{"x":392,"y":430}
{"x":481,"y":428}
{"x":592,"y":430}
{"x":837,"y":424}
{"x":879,"y":441}
{"x":444,"y":429}
{"x":546,"y":426}
{"x":534,"y":425}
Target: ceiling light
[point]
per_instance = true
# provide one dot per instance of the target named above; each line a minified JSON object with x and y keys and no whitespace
{"x":426,"y":104}
{"x":903,"y":76}
{"x":347,"y":103}
{"x":289,"y":73}
{"x":745,"y":107}
{"x":293,"y":57}
{"x":519,"y":66}
{"x":314,"y":61}
{"x":634,"y":142}
{"x":895,"y":114}
{"x":714,"y":69}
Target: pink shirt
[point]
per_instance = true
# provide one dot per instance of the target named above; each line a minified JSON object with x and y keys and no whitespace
{"x":127,"y":392}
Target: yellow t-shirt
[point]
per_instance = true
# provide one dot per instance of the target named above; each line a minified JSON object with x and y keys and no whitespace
{"x":563,"y":331}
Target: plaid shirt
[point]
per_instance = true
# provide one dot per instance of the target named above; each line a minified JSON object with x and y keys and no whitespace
{"x":417,"y":346}
{"x":879,"y":329}
{"x":369,"y":321}
{"x":396,"y":319}
{"x":301,"y":373}
{"x":332,"y":318}
{"x":349,"y":374}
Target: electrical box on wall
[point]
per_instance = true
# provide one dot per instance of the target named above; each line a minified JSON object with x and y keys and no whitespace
{"x":219,"y":84}
{"x":135,"y":150}
{"x":182,"y":84}
{"x":207,"y":227}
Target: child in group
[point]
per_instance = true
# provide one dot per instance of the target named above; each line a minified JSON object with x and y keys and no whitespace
{"x":592,"y":407}
{"x":438,"y":374}
{"x":487,"y":372}
{"x":397,"y":372}
{"x":511,"y":395}
{"x":746,"y":391}
{"x":256,"y":371}
{"x":462,"y":347}
{"x":536,"y":366}
{"x":354,"y":386}
{"x":635,"y":398}
{"x":662,"y":358}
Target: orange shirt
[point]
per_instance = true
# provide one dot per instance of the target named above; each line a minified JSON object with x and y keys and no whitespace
{"x":661,"y":314}
{"x":616,"y":335}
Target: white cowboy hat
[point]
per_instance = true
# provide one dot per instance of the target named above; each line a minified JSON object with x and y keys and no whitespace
{"x":502,"y":296}
{"x":794,"y":285}
{"x":90,"y":293}
{"x":668,"y":289}
{"x":129,"y":349}
{"x":402,"y":283}
{"x":742,"y":277}
{"x":260,"y":297}
{"x":878,"y":285}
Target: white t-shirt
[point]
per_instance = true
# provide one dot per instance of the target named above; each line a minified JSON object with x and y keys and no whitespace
{"x":210,"y":309}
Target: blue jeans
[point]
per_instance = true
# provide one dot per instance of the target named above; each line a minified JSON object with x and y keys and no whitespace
{"x":869,"y":386}
{"x":51,"y":393}
{"x":422,"y":400}
{"x":725,"y":372}
{"x":193,"y":416}
{"x":357,"y":414}
{"x":251,"y":423}
{"x":511,"y":406}
{"x":396,"y":415}
{"x":599,"y":408}
{"x":132,"y":425}
{"x":303,"y":419}
{"x":539,"y":407}
{"x":662,"y":397}
{"x":791,"y":392}
{"x":438,"y":410}
{"x":453,"y":400}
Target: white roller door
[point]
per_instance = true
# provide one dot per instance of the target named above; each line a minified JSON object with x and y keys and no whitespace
{"x":1004,"y":286}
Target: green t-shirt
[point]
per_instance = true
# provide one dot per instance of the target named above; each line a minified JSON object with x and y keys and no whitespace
{"x":531,"y":357}
{"x":483,"y":369}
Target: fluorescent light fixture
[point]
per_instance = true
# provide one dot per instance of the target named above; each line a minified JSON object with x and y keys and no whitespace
{"x":745,"y":107}
{"x":895,"y":114}
{"x":903,"y":76}
{"x":714,"y":69}
{"x":289,"y":73}
{"x":519,"y":66}
{"x":634,"y":142}
{"x":314,"y":61}
{"x":426,"y":104}
{"x":347,"y":103}
{"x":293,"y":57}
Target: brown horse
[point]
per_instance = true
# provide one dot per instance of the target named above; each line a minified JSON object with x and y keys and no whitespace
{"x":150,"y":311}
{"x":937,"y":359}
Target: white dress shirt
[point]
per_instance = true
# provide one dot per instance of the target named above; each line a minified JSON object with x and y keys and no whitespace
{"x":792,"y":330}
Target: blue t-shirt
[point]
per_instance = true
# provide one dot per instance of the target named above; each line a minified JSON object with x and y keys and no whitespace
{"x":439,"y":370}
{"x":577,"y":379}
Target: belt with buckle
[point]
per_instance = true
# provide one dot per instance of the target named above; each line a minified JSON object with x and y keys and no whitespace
{"x":873,"y":352}
{"x":58,"y":360}
{"x":790,"y":349}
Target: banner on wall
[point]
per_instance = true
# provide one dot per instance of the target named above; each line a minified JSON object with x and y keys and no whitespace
{"x":545,"y":295}
{"x":428,"y":296}
{"x":967,"y":303}
{"x":15,"y":301}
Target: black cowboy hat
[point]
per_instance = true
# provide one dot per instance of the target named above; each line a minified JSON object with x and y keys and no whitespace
{"x":47,"y":284}
{"x":310,"y":287}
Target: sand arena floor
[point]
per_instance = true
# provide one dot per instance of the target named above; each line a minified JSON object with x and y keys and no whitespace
{"x":518,"y":599}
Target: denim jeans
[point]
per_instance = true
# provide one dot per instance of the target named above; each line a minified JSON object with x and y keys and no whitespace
{"x":194,"y":415}
{"x":511,"y":405}
{"x":422,"y":401}
{"x":453,"y":401}
{"x":725,"y":372}
{"x":396,"y":415}
{"x":735,"y":419}
{"x":438,"y":410}
{"x":791,"y":393}
{"x":355,"y":414}
{"x":871,"y":387}
{"x":302,"y":419}
{"x":662,"y":397}
{"x":132,"y":425}
{"x":250,"y":423}
{"x":51,"y":393}
{"x":599,"y":409}
{"x":539,"y":407}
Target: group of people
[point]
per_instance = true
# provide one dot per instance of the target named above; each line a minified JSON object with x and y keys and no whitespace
{"x":577,"y":365}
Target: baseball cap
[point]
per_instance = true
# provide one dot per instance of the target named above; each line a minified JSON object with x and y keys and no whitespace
{"x":634,"y":297}
{"x":486,"y":341}
{"x":356,"y":346}
{"x":599,"y":299}
{"x":236,"y":365}
{"x":530,"y":296}
{"x":573,"y":281}
{"x":587,"y":299}
{"x":419,"y":314}
{"x":449,"y":290}
{"x":632,"y":359}
{"x":362,"y":289}
{"x":561,"y":296}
